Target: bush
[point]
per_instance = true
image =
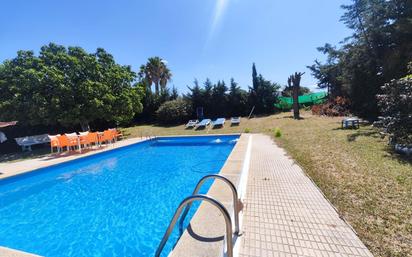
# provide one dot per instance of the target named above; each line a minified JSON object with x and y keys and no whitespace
{"x":247,"y":130}
{"x":278,"y":132}
{"x":396,"y":107}
{"x":336,"y":107}
{"x":172,"y":112}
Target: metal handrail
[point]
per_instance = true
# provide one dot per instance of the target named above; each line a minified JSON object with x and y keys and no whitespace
{"x":189,"y":200}
{"x":196,"y":191}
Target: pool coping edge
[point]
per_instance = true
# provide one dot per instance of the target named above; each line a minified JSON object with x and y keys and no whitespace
{"x":19,"y":253}
{"x":237,"y":158}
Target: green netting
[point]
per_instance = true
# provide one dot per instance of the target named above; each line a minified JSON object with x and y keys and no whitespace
{"x":304,"y":100}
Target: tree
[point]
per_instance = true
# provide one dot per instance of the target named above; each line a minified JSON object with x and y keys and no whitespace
{"x":207,"y":98}
{"x":255,"y":81}
{"x":195,"y":96}
{"x":219,"y":100}
{"x":174,"y":94}
{"x":155,"y":72}
{"x":67,"y":86}
{"x":377,"y":52}
{"x":263,"y":94}
{"x":152,"y":101}
{"x":329,"y":74}
{"x":396,"y":106}
{"x":294,"y":83}
{"x":237,"y":99}
{"x":288,"y":91}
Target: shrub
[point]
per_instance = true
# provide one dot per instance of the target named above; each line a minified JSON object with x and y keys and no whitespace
{"x":396,"y":106}
{"x":278,"y":132}
{"x":335,"y":107}
{"x":172,"y":112}
{"x":247,"y":130}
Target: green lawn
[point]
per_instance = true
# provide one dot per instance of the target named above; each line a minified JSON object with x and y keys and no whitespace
{"x":355,"y":169}
{"x":370,"y":186}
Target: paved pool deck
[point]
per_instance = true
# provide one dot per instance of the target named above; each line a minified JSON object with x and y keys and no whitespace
{"x":7,"y":252}
{"x":284,"y":213}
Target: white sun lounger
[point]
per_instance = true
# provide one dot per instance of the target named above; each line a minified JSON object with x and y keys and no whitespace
{"x":204,"y":123}
{"x":219,"y":122}
{"x":191,"y":123}
{"x":235,"y":120}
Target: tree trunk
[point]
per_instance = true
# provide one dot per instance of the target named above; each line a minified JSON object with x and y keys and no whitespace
{"x":149,"y":87}
{"x":157,"y":88}
{"x":294,"y":83}
{"x":296,"y":102}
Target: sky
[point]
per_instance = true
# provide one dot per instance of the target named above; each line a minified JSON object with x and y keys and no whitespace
{"x":216,"y":39}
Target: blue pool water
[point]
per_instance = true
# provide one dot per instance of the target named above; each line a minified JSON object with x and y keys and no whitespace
{"x":117,"y":203}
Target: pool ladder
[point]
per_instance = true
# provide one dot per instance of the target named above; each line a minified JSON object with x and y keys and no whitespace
{"x":187,"y":203}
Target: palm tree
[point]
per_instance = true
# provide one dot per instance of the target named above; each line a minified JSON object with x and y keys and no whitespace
{"x":155,"y":72}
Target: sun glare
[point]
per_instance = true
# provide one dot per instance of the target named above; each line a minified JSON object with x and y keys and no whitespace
{"x":220,"y":8}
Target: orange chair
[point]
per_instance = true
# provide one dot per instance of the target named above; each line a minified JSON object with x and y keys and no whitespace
{"x":92,"y":138}
{"x":116,"y":134}
{"x":54,"y":143}
{"x":106,"y":137}
{"x":67,"y":142}
{"x":63,"y":142}
{"x":73,"y":140}
{"x":82,"y":137}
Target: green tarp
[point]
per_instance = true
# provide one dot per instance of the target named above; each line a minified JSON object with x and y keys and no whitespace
{"x":286,"y":103}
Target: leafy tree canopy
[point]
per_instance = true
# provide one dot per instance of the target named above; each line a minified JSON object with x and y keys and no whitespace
{"x":288,"y":91}
{"x":67,"y":86}
{"x":156,"y":72}
{"x":152,"y":101}
{"x":263,"y":94}
{"x":396,"y":106}
{"x":217,"y":99}
{"x":377,"y":52}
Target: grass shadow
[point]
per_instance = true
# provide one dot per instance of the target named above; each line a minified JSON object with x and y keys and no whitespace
{"x":18,"y":156}
{"x":393,"y":155}
{"x":346,"y":129}
{"x":158,"y":125}
{"x":291,"y":117}
{"x":359,"y":133}
{"x":217,"y":127}
{"x":375,"y":133}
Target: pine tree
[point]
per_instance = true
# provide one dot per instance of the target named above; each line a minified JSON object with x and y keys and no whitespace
{"x":255,"y":79}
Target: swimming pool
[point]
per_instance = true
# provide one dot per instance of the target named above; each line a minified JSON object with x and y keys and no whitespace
{"x":116,"y":203}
